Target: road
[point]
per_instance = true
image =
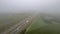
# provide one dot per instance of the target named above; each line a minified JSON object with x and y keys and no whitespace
{"x":19,"y":27}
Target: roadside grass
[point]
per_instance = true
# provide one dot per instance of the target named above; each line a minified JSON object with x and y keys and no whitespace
{"x":40,"y":27}
{"x":37,"y":23}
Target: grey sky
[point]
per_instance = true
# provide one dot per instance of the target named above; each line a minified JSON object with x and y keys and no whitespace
{"x":17,"y":5}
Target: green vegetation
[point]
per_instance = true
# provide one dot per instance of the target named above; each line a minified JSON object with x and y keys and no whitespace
{"x":43,"y":26}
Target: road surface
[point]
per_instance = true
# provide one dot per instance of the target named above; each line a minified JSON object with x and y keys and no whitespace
{"x":19,"y":27}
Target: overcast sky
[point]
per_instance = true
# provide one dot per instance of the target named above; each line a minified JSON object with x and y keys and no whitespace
{"x":37,"y":5}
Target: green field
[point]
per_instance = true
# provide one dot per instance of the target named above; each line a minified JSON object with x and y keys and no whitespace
{"x":41,"y":26}
{"x":8,"y":20}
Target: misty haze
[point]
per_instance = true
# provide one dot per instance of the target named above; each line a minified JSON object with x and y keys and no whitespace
{"x":29,"y":16}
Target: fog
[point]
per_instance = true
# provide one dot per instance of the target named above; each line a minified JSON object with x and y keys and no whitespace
{"x":16,"y":6}
{"x":18,"y":16}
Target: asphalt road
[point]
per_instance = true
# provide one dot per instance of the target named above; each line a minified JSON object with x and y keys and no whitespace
{"x":19,"y":27}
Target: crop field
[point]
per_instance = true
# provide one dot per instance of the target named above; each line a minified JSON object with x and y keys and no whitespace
{"x":44,"y":25}
{"x":8,"y":20}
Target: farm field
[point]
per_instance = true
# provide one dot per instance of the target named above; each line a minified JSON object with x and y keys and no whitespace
{"x":8,"y":20}
{"x":40,"y":24}
{"x":44,"y":25}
